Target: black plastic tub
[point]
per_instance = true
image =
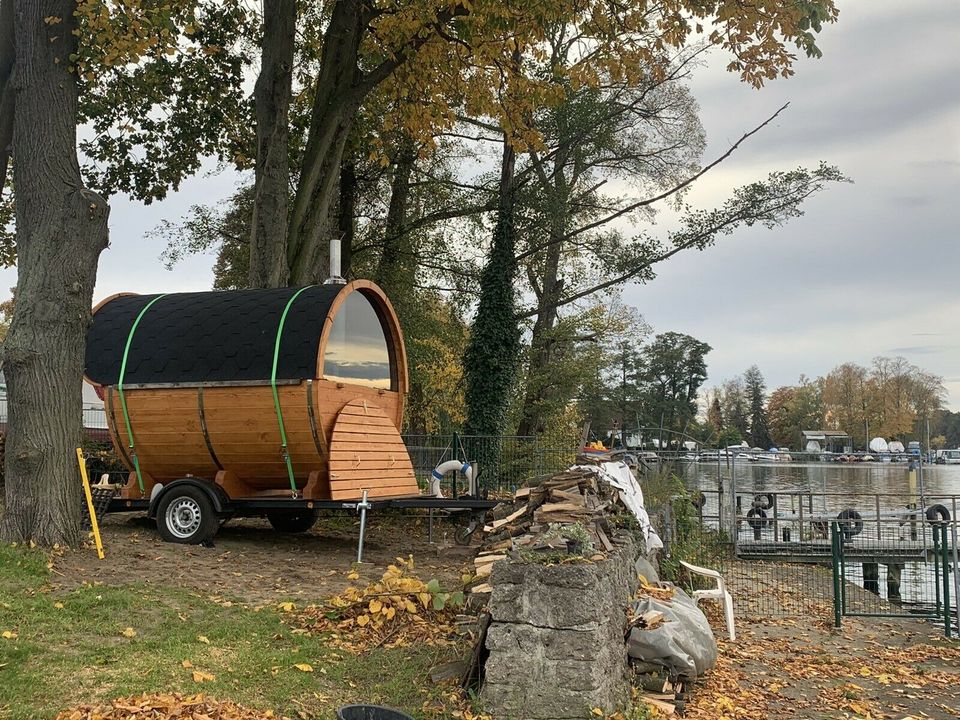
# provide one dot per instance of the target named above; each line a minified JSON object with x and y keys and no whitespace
{"x":370,"y":712}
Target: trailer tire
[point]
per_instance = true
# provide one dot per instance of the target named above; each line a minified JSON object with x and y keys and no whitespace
{"x":292,"y":521}
{"x":698,"y":499}
{"x":851,"y":523}
{"x":938,"y":513}
{"x":185,"y":515}
{"x":764,"y":501}
{"x":756,"y":518}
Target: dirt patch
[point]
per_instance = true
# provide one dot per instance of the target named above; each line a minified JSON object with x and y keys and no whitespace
{"x":252,"y":563}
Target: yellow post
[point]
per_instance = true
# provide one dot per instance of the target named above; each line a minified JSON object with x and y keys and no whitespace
{"x":90,"y":508}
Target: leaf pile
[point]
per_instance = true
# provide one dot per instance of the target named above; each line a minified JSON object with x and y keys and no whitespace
{"x":166,"y":707}
{"x":398,"y":610}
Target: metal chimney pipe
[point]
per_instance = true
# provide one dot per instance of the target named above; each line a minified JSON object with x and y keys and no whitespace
{"x":335,"y":278}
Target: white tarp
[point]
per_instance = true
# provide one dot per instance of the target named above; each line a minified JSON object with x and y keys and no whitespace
{"x":879,"y":445}
{"x":622,"y":478}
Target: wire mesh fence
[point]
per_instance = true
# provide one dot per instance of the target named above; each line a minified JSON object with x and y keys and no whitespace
{"x":900,"y":560}
{"x":503,"y":462}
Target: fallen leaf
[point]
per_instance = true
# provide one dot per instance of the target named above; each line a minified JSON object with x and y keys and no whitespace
{"x":128,"y":632}
{"x":199,"y":676}
{"x":304,"y":667}
{"x":204,"y":639}
{"x":8,"y":635}
{"x":187,"y":664}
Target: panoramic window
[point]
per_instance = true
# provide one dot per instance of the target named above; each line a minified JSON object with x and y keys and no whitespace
{"x":357,"y":350}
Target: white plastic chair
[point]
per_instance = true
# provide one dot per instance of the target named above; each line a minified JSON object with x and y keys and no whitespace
{"x":717,"y":593}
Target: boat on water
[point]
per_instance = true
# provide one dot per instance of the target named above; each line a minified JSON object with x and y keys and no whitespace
{"x":948,"y":457}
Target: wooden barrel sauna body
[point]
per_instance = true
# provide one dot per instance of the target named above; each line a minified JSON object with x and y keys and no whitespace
{"x":199,"y":380}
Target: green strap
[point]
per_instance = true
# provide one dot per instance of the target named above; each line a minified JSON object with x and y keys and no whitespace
{"x":276,"y":396}
{"x":123,"y":400}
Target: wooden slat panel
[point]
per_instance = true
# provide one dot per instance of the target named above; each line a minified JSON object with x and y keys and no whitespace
{"x":375,"y":462}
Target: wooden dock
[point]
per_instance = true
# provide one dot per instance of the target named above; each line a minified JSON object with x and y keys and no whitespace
{"x":896,"y":552}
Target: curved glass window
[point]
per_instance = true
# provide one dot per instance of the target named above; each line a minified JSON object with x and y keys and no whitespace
{"x":357,"y":351}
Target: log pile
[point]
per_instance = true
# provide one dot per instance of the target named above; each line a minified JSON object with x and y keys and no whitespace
{"x":573,"y":497}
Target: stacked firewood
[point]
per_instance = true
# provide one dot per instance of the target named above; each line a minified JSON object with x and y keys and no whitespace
{"x":572,"y":497}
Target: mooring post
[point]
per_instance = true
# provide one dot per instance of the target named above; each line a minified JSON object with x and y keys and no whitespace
{"x":362,"y":507}
{"x":894,"y":578}
{"x":871,"y":577}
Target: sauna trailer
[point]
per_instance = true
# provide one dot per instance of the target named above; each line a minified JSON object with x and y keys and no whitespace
{"x":273,"y":402}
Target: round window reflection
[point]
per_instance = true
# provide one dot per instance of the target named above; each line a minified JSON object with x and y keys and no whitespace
{"x":357,"y":351}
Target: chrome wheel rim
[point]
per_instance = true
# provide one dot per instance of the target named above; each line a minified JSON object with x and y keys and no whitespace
{"x":183,"y":517}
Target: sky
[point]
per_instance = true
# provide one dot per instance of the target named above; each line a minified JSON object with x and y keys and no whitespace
{"x":873,"y":268}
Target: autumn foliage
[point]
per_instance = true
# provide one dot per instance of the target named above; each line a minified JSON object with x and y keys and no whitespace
{"x":398,"y":610}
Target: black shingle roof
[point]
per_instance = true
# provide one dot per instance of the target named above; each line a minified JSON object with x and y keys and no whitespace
{"x":204,"y":337}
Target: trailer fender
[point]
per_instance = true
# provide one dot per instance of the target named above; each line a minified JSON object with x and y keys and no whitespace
{"x":218,"y":497}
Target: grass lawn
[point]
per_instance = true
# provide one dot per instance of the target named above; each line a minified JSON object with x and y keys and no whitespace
{"x":63,"y":647}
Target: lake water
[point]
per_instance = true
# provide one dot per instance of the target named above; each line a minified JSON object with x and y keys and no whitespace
{"x":829,"y":483}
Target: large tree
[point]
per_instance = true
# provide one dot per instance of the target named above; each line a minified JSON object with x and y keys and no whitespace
{"x":756,"y":389}
{"x":61,"y":228}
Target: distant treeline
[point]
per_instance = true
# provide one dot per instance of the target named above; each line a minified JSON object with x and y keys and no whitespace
{"x":891,"y":398}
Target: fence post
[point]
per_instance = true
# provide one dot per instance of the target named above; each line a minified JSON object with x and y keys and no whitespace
{"x":835,"y":553}
{"x":956,"y":560}
{"x":937,"y":553}
{"x":947,"y":618}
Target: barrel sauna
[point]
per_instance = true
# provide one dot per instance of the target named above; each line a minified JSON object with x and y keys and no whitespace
{"x":208,"y":385}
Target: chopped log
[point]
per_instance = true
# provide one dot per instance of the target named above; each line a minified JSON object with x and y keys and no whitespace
{"x":471,"y":675}
{"x":522,"y":494}
{"x":661,"y":706}
{"x":604,"y":540}
{"x":568,"y":496}
{"x":507,"y":520}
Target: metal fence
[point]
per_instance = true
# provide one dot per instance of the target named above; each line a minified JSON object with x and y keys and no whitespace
{"x":502,"y":462}
{"x":822,"y":555}
{"x":908,"y":569}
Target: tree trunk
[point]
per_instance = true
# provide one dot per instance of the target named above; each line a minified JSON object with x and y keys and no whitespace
{"x":347,"y":213}
{"x":61,"y":230}
{"x":336,"y":101}
{"x":268,"y":233}
{"x":551,"y":292}
{"x":7,"y":52}
{"x":395,"y":260}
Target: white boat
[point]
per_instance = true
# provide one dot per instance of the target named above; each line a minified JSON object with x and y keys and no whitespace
{"x":948,"y":457}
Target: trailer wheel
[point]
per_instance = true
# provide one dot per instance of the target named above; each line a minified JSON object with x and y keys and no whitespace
{"x":292,"y":521}
{"x":186,"y":515}
{"x":464,"y":533}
